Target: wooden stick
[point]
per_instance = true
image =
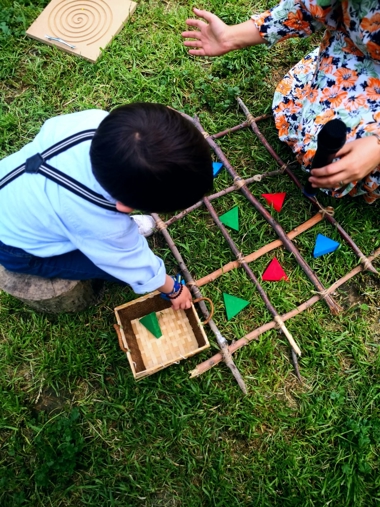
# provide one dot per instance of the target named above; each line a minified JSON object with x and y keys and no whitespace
{"x":295,"y":364}
{"x":262,"y":251}
{"x":254,"y":335}
{"x":363,"y":259}
{"x":231,"y":130}
{"x":241,"y":126}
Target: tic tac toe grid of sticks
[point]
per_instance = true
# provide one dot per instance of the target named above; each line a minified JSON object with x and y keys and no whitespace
{"x":243,"y":261}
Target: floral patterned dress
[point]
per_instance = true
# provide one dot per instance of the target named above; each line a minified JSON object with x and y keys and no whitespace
{"x":340,"y":79}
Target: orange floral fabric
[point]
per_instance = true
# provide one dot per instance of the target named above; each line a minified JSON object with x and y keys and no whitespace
{"x":340,"y":79}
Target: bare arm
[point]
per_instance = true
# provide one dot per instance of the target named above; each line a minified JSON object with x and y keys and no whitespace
{"x":212,"y":37}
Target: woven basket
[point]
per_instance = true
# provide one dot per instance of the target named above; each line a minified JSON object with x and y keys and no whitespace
{"x":182,"y":334}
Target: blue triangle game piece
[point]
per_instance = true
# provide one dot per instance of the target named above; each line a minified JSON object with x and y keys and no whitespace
{"x":216,"y":168}
{"x":324,"y":245}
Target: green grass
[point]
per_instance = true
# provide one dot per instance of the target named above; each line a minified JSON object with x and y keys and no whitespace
{"x":76,"y":429}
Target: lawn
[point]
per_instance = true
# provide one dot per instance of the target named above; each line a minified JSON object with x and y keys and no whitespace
{"x":76,"y":429}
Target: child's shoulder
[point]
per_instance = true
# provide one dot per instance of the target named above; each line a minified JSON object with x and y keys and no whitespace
{"x":67,"y":124}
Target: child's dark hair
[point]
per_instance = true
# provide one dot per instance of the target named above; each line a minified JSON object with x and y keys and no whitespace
{"x":150,"y":158}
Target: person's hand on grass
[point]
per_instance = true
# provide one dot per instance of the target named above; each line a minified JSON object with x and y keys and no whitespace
{"x":357,"y":159}
{"x":213,"y":37}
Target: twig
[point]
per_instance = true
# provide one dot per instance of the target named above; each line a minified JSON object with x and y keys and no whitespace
{"x":295,"y":364}
{"x":240,"y":127}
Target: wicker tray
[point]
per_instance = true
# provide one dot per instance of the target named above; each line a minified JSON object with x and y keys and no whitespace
{"x":182,"y":334}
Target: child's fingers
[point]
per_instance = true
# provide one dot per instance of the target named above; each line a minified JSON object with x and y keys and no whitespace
{"x":186,"y":305}
{"x":182,"y":306}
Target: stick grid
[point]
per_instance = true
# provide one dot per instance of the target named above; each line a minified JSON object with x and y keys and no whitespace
{"x":240,"y":185}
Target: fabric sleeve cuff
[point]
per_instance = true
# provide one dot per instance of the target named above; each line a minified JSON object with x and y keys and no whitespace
{"x":260,"y":21}
{"x":157,"y":281}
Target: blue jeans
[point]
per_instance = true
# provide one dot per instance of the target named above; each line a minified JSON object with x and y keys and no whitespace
{"x":70,"y":266}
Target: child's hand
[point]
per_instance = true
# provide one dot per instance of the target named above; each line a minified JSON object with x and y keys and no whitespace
{"x":178,"y":302}
{"x":357,"y":159}
{"x":183,"y":301}
{"x":211,"y":39}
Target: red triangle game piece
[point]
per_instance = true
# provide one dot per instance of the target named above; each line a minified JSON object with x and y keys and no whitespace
{"x":274,"y":272}
{"x":276,"y":200}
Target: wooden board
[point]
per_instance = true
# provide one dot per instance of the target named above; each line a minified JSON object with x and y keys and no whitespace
{"x":87,"y":25}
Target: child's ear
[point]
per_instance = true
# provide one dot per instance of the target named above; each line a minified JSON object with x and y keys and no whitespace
{"x":124,"y":209}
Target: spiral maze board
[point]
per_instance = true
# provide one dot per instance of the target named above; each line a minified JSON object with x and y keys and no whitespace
{"x":83,"y":27}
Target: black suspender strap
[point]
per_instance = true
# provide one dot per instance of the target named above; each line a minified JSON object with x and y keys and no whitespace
{"x":75,"y":186}
{"x":69,"y":142}
{"x":37,"y":164}
{"x":12,"y":175}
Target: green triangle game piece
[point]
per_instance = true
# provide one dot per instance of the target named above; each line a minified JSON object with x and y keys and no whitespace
{"x":231,"y":218}
{"x":233,"y":305}
{"x":150,"y":321}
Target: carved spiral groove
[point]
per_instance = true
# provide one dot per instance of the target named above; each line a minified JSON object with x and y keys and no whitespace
{"x":80,"y":20}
